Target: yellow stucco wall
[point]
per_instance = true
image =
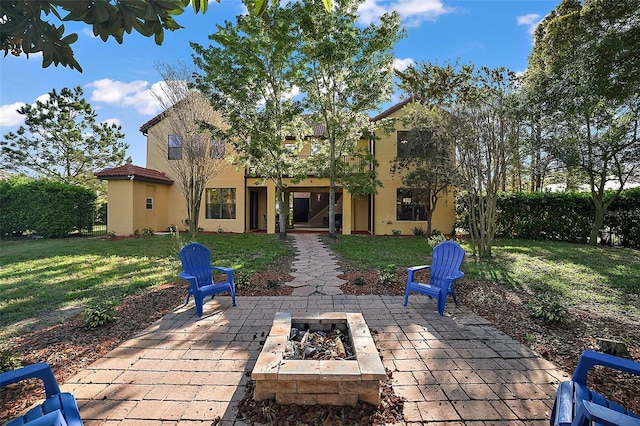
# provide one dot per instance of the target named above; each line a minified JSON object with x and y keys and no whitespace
{"x":120,"y":207}
{"x":385,"y":201}
{"x":175,"y":206}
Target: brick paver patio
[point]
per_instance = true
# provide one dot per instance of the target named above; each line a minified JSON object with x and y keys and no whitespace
{"x":184,"y":370}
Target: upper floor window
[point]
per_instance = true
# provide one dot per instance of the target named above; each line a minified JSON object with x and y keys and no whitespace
{"x":221,"y":203}
{"x":149,"y":204}
{"x":412,"y":144}
{"x":175,"y":147}
{"x":409,"y":206}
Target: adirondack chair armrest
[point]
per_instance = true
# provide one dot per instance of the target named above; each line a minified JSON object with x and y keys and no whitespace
{"x":228,"y":271}
{"x":186,"y":276}
{"x":455,"y":276}
{"x":604,"y":416}
{"x":592,"y":358}
{"x":40,"y":370}
{"x":412,"y":270}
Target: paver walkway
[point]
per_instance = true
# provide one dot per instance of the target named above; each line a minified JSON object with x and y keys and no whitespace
{"x":315,"y":267}
{"x":184,"y":370}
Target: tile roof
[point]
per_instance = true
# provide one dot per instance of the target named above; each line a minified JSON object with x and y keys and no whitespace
{"x":131,"y":172}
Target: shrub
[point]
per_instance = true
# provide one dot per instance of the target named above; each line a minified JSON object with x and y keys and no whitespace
{"x":147,"y":232}
{"x":387,"y":274}
{"x":273,"y":284}
{"x":359,"y":281}
{"x":46,"y":208}
{"x":99,"y":314}
{"x":396,"y":232}
{"x":242,"y":280}
{"x":435,"y":239}
{"x":547,"y":308}
{"x":419,"y":231}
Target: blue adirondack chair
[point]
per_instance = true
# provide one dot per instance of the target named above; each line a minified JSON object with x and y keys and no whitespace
{"x":58,"y":409}
{"x":444,"y":270}
{"x":196,"y":261}
{"x":577,"y":405}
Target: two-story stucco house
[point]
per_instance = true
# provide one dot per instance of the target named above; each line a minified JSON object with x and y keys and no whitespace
{"x":235,"y":201}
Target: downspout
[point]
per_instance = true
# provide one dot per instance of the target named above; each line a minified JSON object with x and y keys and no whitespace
{"x":372,"y":215}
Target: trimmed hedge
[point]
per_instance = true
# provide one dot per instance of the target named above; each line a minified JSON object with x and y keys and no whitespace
{"x":563,"y":216}
{"x":46,"y":208}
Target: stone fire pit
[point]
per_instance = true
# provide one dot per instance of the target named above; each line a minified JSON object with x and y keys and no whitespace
{"x":325,"y":382}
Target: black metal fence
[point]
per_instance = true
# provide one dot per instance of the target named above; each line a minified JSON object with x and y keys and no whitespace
{"x":93,"y":223}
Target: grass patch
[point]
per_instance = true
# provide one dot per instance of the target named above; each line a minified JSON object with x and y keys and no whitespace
{"x":44,"y":276}
{"x":605,"y":276}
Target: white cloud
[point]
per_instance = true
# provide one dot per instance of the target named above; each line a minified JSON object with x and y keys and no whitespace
{"x":135,"y":94}
{"x":412,"y":12}
{"x":9,"y":115}
{"x":402,"y":64}
{"x":530,"y":20}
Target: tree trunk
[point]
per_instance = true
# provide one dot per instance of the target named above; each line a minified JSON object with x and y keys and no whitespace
{"x":282,"y":216}
{"x":332,"y":190}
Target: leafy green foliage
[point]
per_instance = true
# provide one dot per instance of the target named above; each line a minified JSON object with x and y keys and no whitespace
{"x":548,"y":308}
{"x":387,"y":274}
{"x":9,"y":361}
{"x":436,"y":239}
{"x":62,"y":141}
{"x":359,"y":281}
{"x":564,"y":216}
{"x":273,"y":283}
{"x":418,"y":231}
{"x":242,"y":280}
{"x":25,"y":31}
{"x":49,"y":209}
{"x":147,"y":232}
{"x":99,"y":314}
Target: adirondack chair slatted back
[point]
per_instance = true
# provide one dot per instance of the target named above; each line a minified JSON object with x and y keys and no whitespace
{"x":447,"y":258}
{"x":196,"y":260}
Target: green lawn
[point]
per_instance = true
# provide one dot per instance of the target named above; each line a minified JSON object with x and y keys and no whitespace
{"x":43,"y":276}
{"x":605,"y":277}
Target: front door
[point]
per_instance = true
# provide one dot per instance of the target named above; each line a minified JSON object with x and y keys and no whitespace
{"x":300,"y":210}
{"x":253,"y":210}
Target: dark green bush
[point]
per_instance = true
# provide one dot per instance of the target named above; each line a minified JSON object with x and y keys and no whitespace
{"x":548,"y":308}
{"x":99,"y":314}
{"x":46,"y":208}
{"x":563,"y":216}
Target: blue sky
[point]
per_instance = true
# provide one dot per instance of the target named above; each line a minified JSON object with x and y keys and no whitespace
{"x":117,"y":79}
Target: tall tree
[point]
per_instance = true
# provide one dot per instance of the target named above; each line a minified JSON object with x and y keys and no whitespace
{"x":194,"y":156}
{"x":581,"y":70}
{"x":348,"y":72}
{"x":248,"y":76}
{"x":61,"y":140}
{"x":427,"y":161}
{"x":485,"y":132}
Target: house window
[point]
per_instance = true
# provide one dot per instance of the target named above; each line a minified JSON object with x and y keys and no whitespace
{"x":412,"y":144}
{"x":409,"y":206}
{"x":217,"y":149}
{"x":221,"y":203}
{"x":175,"y":147}
{"x":149,"y":203}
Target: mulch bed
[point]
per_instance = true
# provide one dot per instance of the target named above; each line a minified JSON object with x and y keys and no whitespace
{"x":69,"y":347}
